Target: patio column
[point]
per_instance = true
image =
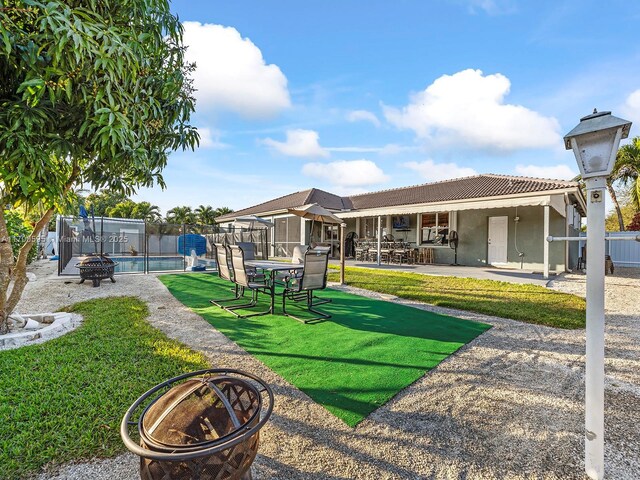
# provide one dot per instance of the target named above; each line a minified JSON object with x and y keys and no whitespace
{"x":567,"y":213}
{"x":343,"y":227}
{"x":379,"y":237}
{"x":545,"y":244}
{"x":358,"y":227}
{"x":389,"y":225}
{"x":303,"y":232}
{"x":418,"y":228}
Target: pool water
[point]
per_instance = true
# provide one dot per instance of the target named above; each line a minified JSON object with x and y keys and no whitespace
{"x":156,"y":264}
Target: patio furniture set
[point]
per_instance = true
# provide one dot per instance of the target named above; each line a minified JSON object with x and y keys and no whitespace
{"x":398,"y":252}
{"x":299,"y":281}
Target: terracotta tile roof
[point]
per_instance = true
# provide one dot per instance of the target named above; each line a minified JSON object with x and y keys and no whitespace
{"x":297,"y":199}
{"x":478,"y":186}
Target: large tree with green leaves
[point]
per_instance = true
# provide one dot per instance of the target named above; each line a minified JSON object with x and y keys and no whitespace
{"x":94,"y":93}
{"x":100,"y":203}
{"x":627,"y":209}
{"x":123,"y":209}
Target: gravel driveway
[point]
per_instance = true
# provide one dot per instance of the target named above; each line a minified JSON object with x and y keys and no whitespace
{"x":509,"y":405}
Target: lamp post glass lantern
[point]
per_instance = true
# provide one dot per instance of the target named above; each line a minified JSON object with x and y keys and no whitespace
{"x":595,"y":144}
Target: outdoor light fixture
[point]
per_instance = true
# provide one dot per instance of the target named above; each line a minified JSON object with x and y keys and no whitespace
{"x":595,"y":144}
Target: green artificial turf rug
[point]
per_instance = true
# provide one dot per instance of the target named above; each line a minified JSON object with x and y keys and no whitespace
{"x":353,"y":362}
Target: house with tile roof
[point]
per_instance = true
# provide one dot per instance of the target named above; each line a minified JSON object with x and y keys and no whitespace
{"x":499,"y":220}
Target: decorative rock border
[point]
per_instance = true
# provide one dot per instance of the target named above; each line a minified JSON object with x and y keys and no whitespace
{"x":63,"y":323}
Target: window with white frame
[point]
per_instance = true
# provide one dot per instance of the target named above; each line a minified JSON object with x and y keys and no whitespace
{"x":435,"y":228}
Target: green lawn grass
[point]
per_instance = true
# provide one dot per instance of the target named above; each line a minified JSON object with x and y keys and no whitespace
{"x":528,"y":303}
{"x":64,"y":399}
{"x":352,"y":363}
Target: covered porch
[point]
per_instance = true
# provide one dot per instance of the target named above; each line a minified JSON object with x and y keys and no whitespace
{"x":508,"y":233}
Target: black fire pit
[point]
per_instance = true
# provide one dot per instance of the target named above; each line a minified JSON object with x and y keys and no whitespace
{"x":205,"y":426}
{"x":95,"y":268}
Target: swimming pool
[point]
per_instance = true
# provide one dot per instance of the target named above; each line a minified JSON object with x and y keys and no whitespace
{"x":156,"y":264}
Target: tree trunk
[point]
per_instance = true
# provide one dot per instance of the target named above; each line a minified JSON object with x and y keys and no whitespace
{"x":6,"y":270}
{"x":42,"y":242}
{"x":612,"y":192}
{"x":14,"y":270}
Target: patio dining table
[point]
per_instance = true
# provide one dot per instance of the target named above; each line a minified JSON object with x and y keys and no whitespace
{"x":272,"y":269}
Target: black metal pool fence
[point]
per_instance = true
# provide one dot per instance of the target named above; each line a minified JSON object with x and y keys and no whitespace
{"x":144,"y":247}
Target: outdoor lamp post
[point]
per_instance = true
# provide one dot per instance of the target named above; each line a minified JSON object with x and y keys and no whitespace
{"x":595,"y":144}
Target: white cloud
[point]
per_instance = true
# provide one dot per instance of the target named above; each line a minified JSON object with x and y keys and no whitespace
{"x":468,"y":109}
{"x":346,"y":173}
{"x":631,"y":108}
{"x":300,"y":143}
{"x":210,"y":138}
{"x":557,"y":172}
{"x":434,"y":172}
{"x":231,"y":73}
{"x":363,"y":116}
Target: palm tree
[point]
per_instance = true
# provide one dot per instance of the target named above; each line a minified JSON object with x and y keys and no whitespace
{"x":181,"y":215}
{"x":222,"y":211}
{"x":614,"y":198}
{"x":627,"y":169}
{"x":205,"y":215}
{"x":147,"y":212}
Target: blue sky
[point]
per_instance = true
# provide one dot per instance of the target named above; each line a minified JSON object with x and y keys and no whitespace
{"x":353,"y":96}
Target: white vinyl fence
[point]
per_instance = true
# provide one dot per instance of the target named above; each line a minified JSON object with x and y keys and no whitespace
{"x":624,"y":254}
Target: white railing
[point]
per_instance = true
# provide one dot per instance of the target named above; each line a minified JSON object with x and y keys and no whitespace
{"x":624,"y":251}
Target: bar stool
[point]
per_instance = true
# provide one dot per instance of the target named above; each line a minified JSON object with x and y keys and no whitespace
{"x":425,"y":255}
{"x":428,"y":255}
{"x":361,"y":253}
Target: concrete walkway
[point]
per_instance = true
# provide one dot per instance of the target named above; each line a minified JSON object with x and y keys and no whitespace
{"x":483,"y":273}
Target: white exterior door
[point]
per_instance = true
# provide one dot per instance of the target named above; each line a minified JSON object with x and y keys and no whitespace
{"x":498,"y":231}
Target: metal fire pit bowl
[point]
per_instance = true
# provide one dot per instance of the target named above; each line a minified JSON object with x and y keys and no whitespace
{"x":203,"y":425}
{"x":95,"y":268}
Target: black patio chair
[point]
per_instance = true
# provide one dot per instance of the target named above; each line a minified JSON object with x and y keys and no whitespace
{"x":245,"y":281}
{"x":301,"y":288}
{"x":224,"y":272}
